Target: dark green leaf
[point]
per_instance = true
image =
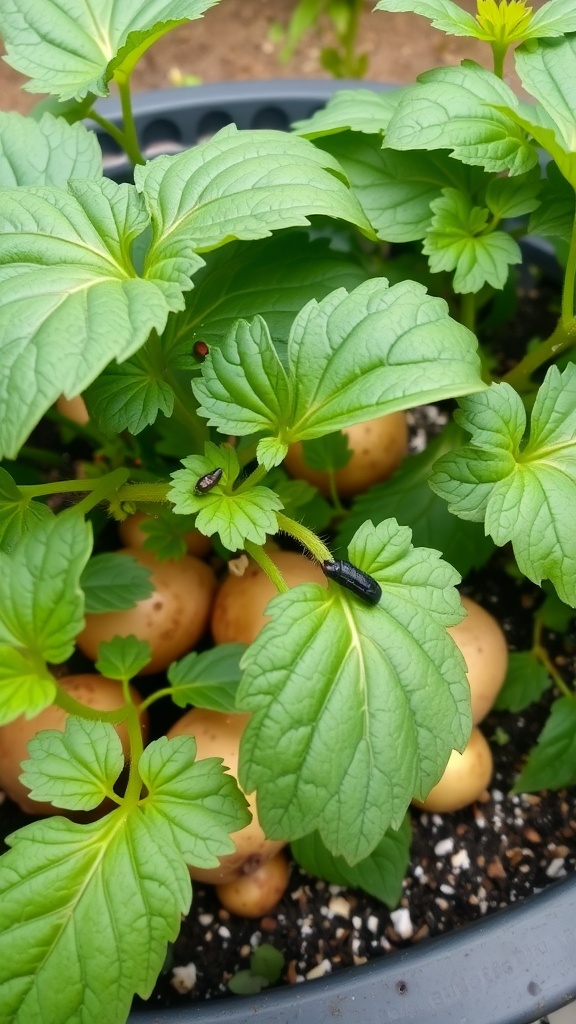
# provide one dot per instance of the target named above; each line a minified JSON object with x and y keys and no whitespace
{"x":268,"y":962}
{"x":327,"y":453}
{"x":526,"y":681}
{"x":208,"y":680}
{"x":123,"y":657}
{"x":113,"y":582}
{"x":552,"y":762}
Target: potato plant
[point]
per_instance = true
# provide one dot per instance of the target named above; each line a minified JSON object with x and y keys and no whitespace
{"x":209,"y":325}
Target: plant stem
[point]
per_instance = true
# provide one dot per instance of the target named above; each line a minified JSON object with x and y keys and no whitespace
{"x":265,"y":562}
{"x":569,"y":278}
{"x":131,"y":144}
{"x":116,"y":133}
{"x":561,"y":339}
{"x":541,"y":654}
{"x":499,"y":53}
{"x":75,"y":707}
{"x":255,"y":477}
{"x":334,"y":496}
{"x":468,"y":311}
{"x":305,"y":536}
{"x":145,"y":492}
{"x":134,"y":787}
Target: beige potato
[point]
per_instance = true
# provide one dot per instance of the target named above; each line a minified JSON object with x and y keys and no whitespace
{"x":465,"y":777}
{"x":256,"y":894}
{"x":378,"y":447}
{"x":172,"y":619}
{"x":238,"y":612}
{"x":74,"y":409}
{"x":218,"y":735}
{"x":133,"y":536}
{"x":91,"y":689}
{"x":485,"y":650}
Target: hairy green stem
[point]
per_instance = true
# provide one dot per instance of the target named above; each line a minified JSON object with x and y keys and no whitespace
{"x":265,"y":562}
{"x":144,"y":492}
{"x":105,"y":487}
{"x":75,"y":707}
{"x":305,"y":536}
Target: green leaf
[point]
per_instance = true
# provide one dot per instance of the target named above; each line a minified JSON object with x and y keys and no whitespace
{"x":554,"y":218}
{"x":58,"y":880}
{"x":208,"y":680}
{"x":350,"y":357}
{"x":272,"y":277}
{"x":447,"y":109}
{"x":389,"y":675}
{"x":443,"y":14}
{"x":239,"y":184}
{"x":300,"y":500}
{"x":357,"y":110}
{"x":113,"y":582}
{"x":408,"y":498}
{"x":70,"y":300}
{"x":18,"y":514}
{"x":552,"y":762}
{"x":526,"y":680}
{"x":193,"y":804}
{"x":123,"y":657}
{"x":72,"y":50}
{"x":245,"y":983}
{"x":129,"y":396}
{"x":381,"y":874}
{"x":46,"y":152}
{"x":395,"y":189}
{"x":268,"y":962}
{"x":41,"y":606}
{"x":236,"y":516}
{"x":547,"y":70}
{"x":553,"y":613}
{"x":459,"y":240}
{"x":524,"y":494}
{"x":165,"y":533}
{"x":555,"y":18}
{"x":328,"y":453}
{"x":514,"y":197}
{"x":75,"y":769}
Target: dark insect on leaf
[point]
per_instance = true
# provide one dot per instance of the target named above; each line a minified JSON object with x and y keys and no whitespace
{"x":208,"y":481}
{"x":349,"y":576}
{"x":201,"y":349}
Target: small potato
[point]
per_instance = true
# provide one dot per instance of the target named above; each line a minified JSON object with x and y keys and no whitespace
{"x":73,"y":409}
{"x":485,"y":650}
{"x":256,"y":894}
{"x":133,"y":536}
{"x":465,"y":777}
{"x":172,"y":619}
{"x":238,"y":612}
{"x":219,"y":735}
{"x":91,"y":689}
{"x":378,"y":447}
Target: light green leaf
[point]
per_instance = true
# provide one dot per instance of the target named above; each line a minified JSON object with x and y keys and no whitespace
{"x":555,"y":18}
{"x":552,"y":762}
{"x":235,"y":515}
{"x":17,"y":513}
{"x":273,"y":277}
{"x":408,"y":498}
{"x":129,"y":396}
{"x":554,"y":217}
{"x":524,"y":494}
{"x":239,"y":184}
{"x":70,"y":300}
{"x":75,"y":769}
{"x":61,"y":880}
{"x":458,"y":240}
{"x":526,"y":681}
{"x":514,"y":197}
{"x":41,"y":606}
{"x":357,"y":110}
{"x":381,"y":874}
{"x":466,"y":110}
{"x":123,"y":657}
{"x":395,"y":189}
{"x":443,"y":14}
{"x":350,"y":357}
{"x":267,"y":962}
{"x":193,"y":803}
{"x":547,"y":70}
{"x":208,"y":680}
{"x":71,"y":49}
{"x":355,"y":709}
{"x":45,"y":152}
{"x":113,"y":582}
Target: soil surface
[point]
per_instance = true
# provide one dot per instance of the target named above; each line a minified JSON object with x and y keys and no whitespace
{"x":235,"y":41}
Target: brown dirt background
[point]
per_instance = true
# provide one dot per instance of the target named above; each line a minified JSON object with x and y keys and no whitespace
{"x":233,"y":41}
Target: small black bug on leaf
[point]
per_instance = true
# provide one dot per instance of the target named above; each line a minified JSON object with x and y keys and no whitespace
{"x":349,"y":576}
{"x":208,"y":481}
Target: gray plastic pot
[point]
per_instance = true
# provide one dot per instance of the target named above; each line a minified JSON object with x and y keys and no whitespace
{"x":511,"y":968}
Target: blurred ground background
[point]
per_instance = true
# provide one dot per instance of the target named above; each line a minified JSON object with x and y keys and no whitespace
{"x":236,"y":40}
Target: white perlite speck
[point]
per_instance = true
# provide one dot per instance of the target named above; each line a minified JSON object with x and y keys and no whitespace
{"x":338,"y":905}
{"x":460,"y":860}
{"x":443,"y":847}
{"x":319,"y":971}
{"x":556,"y":868}
{"x":372,"y":924}
{"x":402,"y":922}
{"x":184,"y":978}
